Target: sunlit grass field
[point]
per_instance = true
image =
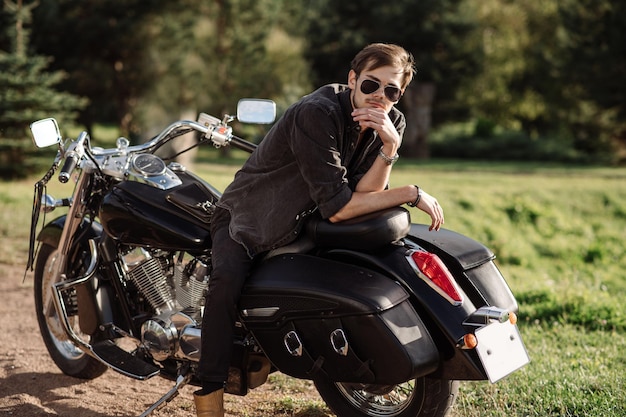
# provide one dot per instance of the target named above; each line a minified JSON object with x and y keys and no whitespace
{"x":558,"y":233}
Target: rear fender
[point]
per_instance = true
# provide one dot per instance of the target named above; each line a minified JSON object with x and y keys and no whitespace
{"x":471,"y":263}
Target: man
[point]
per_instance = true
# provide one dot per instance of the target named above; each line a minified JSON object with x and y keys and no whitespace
{"x":332,"y":152}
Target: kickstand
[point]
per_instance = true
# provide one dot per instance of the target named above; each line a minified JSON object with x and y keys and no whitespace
{"x":181,"y":381}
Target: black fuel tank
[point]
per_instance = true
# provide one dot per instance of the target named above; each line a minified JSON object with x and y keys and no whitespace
{"x":176,"y":219}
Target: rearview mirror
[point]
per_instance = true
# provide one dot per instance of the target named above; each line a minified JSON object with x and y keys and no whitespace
{"x":45,"y":133}
{"x":254,"y":110}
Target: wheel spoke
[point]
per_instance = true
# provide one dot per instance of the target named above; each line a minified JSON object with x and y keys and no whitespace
{"x":377,"y":401}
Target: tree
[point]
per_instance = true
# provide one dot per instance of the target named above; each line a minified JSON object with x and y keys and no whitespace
{"x":594,"y":64}
{"x":145,"y":63}
{"x":102,"y":46}
{"x":205,"y":56}
{"x":27,"y":93}
{"x":552,"y":68}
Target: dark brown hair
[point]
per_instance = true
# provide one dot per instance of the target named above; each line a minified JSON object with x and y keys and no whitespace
{"x":378,"y":55}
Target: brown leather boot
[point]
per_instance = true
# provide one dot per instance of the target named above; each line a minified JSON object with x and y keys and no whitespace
{"x":209,"y":405}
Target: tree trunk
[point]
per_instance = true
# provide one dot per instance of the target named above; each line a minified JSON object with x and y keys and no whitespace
{"x":417,"y":106}
{"x":181,"y":143}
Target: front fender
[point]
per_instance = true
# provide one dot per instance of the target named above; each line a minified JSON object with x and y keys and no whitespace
{"x":51,"y":233}
{"x":91,"y":313}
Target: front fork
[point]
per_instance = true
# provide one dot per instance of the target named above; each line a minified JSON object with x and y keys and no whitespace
{"x":55,"y":298}
{"x":54,"y":271}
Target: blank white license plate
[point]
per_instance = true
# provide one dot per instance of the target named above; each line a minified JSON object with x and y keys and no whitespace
{"x":501,"y":349}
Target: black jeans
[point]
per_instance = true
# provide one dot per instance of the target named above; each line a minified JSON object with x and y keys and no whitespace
{"x":231,"y":267}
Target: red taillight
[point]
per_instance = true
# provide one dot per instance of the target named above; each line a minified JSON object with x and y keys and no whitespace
{"x":438,"y":276}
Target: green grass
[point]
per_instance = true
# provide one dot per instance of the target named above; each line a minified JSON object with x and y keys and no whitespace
{"x":558,"y":233}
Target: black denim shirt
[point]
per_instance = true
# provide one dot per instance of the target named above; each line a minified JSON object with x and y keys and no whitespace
{"x":310,"y":160}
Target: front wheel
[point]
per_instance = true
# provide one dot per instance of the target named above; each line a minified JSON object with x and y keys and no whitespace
{"x":421,"y":397}
{"x":71,"y":360}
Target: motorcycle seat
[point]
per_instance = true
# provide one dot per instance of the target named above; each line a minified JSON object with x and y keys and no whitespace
{"x":367,"y":232}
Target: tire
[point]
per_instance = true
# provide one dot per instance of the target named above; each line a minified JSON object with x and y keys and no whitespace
{"x":68,"y":358}
{"x":422,"y":397}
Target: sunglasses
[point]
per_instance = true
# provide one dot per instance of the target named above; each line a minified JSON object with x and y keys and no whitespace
{"x":392,"y":92}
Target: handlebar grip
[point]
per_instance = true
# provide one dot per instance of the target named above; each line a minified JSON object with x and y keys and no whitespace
{"x":68,"y":167}
{"x":242,"y":144}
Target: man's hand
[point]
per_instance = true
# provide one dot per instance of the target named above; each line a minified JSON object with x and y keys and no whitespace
{"x":429,"y":205}
{"x":377,"y":118}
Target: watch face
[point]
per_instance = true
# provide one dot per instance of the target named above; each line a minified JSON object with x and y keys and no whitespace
{"x":148,"y":165}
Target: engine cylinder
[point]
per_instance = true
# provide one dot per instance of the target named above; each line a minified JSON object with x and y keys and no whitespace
{"x":147,"y":275}
{"x":190,"y":284}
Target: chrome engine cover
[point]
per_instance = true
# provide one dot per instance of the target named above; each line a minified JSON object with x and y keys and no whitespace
{"x":177,"y":336}
{"x":159,"y":338}
{"x":176,"y":292}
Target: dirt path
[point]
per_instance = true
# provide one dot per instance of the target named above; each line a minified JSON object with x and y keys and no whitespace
{"x":32,"y":386}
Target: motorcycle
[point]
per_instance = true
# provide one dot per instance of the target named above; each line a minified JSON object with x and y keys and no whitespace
{"x":382,"y":315}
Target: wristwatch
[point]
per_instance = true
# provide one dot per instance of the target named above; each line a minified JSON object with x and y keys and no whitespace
{"x":388,"y":160}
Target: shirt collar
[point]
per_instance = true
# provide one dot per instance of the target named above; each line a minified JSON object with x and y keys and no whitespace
{"x":346,"y":107}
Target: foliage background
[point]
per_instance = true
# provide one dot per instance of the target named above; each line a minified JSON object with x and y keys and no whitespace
{"x":538,"y":79}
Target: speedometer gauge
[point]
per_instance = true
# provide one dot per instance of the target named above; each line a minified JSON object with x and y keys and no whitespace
{"x":148,"y":165}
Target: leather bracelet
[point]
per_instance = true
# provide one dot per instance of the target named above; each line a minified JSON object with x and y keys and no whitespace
{"x":388,"y":160}
{"x":417,"y":199}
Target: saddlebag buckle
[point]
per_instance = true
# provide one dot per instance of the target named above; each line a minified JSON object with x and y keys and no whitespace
{"x":293,"y":343}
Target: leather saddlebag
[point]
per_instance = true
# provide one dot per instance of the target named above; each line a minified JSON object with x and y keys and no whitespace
{"x":321,"y":318}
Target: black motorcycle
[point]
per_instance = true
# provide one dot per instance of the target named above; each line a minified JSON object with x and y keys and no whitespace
{"x":384,"y":316}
